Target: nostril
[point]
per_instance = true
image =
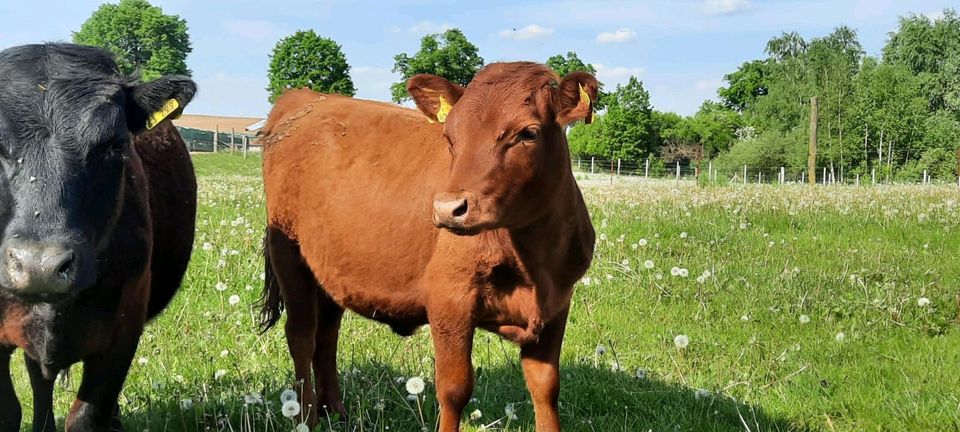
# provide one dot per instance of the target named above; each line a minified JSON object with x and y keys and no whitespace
{"x":461,"y":209}
{"x":66,"y":267}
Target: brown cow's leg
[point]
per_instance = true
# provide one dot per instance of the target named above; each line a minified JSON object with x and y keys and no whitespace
{"x":299,"y":288}
{"x":541,"y":368}
{"x":43,"y":418}
{"x":9,"y":405}
{"x":453,"y":343}
{"x":95,"y":408}
{"x":325,"y":356}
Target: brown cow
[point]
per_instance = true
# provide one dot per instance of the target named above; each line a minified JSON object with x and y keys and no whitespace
{"x":357,"y":192}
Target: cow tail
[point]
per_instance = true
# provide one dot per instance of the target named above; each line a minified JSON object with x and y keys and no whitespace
{"x":271,"y":301}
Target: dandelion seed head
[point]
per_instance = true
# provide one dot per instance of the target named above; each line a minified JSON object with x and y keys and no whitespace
{"x":681,"y":341}
{"x":290,"y":409}
{"x":415,"y":385}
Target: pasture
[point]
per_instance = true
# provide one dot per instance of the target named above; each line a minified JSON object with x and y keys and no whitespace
{"x":823,"y":308}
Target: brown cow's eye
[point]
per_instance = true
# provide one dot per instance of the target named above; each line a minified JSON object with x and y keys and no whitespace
{"x":528,"y":134}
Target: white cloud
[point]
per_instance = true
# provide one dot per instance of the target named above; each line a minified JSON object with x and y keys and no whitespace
{"x":621,"y":35}
{"x":428,"y":27}
{"x":708,"y":84}
{"x":531,"y":31}
{"x":611,"y":76}
{"x":725,"y":7}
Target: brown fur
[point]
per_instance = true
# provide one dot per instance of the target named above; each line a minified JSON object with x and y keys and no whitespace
{"x":351,"y":188}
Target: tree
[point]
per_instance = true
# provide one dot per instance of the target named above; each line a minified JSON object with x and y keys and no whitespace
{"x":449,"y":55}
{"x":628,"y":123}
{"x":571,"y":63}
{"x":306,"y":59}
{"x":141,"y":36}
{"x":747,"y":84}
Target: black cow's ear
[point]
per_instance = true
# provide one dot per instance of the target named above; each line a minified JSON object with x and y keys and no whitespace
{"x":575,"y":98}
{"x":153,"y":102}
{"x":434,"y":96}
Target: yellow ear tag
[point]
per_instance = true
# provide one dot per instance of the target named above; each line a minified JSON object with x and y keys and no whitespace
{"x":444,"y":110}
{"x":168,"y":108}
{"x":585,"y":98}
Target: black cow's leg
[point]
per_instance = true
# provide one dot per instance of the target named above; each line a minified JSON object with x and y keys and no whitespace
{"x":9,"y":405}
{"x":96,"y":406}
{"x":43,"y":418}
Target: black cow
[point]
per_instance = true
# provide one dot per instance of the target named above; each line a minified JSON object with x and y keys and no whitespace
{"x":97,"y":212}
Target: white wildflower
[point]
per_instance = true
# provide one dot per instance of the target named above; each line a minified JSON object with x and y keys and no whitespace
{"x":287,"y":396}
{"x":510,"y":412}
{"x":923,"y":302}
{"x":234,"y":300}
{"x":220,"y":373}
{"x":186,"y":404}
{"x":681,"y":341}
{"x":221,"y":286}
{"x":475,"y":415}
{"x":415,"y":385}
{"x":302,"y":427}
{"x":601,"y":350}
{"x":290,"y":409}
{"x":840,"y":337}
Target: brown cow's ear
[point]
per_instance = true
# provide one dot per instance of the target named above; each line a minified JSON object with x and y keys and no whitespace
{"x":434,"y":96}
{"x":576,"y":96}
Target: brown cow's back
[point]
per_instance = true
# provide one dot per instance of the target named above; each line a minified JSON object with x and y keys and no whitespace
{"x":333,"y":164}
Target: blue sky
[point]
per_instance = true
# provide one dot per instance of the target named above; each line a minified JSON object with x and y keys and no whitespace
{"x":680,"y":49}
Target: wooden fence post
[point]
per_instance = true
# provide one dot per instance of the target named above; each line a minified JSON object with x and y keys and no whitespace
{"x":744,"y":174}
{"x":618,"y":166}
{"x":812,"y":158}
{"x":646,"y":170}
{"x":216,"y":137}
{"x":593,"y":164}
{"x":678,"y":170}
{"x":233,"y":144}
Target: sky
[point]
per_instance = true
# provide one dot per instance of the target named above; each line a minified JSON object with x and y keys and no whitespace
{"x":680,"y":49}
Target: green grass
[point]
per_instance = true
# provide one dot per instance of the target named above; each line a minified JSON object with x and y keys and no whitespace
{"x":853,"y":261}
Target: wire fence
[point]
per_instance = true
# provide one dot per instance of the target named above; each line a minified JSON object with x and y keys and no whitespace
{"x":707,"y":172}
{"x":198,"y":140}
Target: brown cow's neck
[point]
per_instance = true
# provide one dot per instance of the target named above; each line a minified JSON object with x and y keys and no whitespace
{"x":561,"y":241}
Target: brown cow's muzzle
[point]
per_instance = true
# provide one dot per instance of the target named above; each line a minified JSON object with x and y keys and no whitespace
{"x":35,"y":269}
{"x":458,"y":212}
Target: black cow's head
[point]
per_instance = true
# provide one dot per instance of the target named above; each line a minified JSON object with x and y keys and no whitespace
{"x":67,"y":122}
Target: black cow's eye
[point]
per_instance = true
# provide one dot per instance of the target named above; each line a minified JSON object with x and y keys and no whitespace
{"x":528,"y":134}
{"x":118,"y":146}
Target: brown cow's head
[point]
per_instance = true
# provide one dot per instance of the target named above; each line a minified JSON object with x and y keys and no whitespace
{"x":506,"y":135}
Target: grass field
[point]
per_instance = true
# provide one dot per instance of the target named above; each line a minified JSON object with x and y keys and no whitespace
{"x":825,"y":308}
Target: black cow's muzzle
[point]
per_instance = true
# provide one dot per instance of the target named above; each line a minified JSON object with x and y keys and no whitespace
{"x":38,"y":269}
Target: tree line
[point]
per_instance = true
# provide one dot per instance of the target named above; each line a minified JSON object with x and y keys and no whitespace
{"x":897,"y":114}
